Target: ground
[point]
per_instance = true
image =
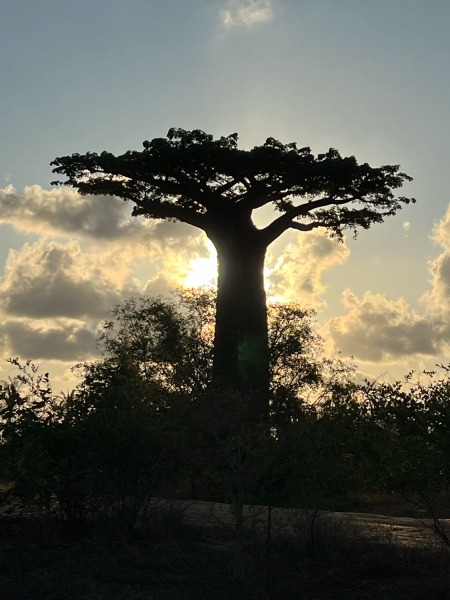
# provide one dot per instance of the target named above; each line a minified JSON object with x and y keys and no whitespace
{"x":187,"y":551}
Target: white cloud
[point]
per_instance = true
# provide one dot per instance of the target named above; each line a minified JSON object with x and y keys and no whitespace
{"x":59,"y":340}
{"x":437,"y":299}
{"x":50,"y":279}
{"x":105,"y":226}
{"x":377,"y":329}
{"x":246,"y":12}
{"x":441,"y":231}
{"x":63,"y":211}
{"x":53,"y":294}
{"x":296,"y":276}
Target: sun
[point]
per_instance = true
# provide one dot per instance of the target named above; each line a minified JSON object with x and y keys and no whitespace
{"x":203,"y":271}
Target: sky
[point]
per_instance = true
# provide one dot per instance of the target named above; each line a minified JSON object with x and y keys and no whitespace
{"x":370,"y":78}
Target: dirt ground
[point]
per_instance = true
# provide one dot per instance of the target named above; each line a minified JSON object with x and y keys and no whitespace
{"x":288,"y":521}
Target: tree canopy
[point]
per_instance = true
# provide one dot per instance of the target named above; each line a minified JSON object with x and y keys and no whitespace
{"x":190,"y":176}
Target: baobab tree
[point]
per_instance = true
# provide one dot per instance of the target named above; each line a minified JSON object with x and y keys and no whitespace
{"x":215,"y":186}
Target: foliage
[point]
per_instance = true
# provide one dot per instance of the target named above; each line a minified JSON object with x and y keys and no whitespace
{"x":140,"y":419}
{"x":415,"y":422}
{"x":100,"y":450}
{"x":170,"y":343}
{"x":140,"y":422}
{"x":388,"y":437}
{"x":192,"y":177}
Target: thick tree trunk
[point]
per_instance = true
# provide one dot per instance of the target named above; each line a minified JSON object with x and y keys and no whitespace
{"x":241,"y":360}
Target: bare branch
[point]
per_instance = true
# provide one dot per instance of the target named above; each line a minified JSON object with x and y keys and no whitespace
{"x":306,"y":226}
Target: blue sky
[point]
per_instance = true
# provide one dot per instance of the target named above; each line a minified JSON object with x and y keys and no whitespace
{"x":369,"y":78}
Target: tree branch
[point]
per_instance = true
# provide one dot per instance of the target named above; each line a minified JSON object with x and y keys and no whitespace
{"x":226,"y":186}
{"x":184,"y":188}
{"x":286,"y":221}
{"x":171,"y":211}
{"x":306,"y":226}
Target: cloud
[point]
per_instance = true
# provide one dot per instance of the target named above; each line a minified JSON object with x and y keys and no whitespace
{"x":437,"y":299}
{"x":377,"y":329}
{"x":63,"y":211}
{"x":246,"y":12}
{"x":296,"y":276}
{"x":56,"y":340}
{"x":187,"y":241}
{"x":50,"y":279}
{"x":441,"y":231}
{"x":53,"y":295}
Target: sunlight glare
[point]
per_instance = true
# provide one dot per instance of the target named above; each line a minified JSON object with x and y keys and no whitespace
{"x":203,"y":271}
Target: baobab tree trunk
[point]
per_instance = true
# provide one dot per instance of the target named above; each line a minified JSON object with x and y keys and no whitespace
{"x":241,"y":359}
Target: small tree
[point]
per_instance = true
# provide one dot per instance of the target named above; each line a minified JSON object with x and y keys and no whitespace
{"x":170,"y":341}
{"x":101,"y":450}
{"x":216,"y":187}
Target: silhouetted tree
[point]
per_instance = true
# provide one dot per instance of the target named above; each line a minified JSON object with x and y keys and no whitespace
{"x":215,"y":186}
{"x":170,"y":341}
{"x":101,"y":450}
